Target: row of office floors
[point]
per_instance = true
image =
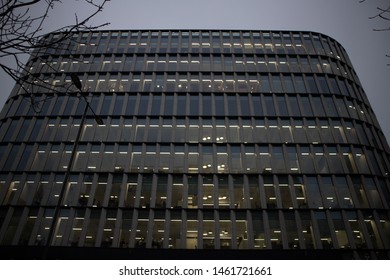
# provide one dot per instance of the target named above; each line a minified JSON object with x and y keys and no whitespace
{"x":199,"y":211}
{"x":197,"y":186}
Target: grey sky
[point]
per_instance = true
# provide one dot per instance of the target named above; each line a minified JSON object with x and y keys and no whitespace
{"x":344,"y":20}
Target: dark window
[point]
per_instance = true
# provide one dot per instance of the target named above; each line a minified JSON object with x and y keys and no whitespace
{"x":312,"y":84}
{"x":106,"y":105}
{"x":35,"y":132}
{"x":181,"y":105}
{"x":93,"y":104}
{"x":23,"y":130}
{"x":299,"y":84}
{"x":219,"y":105}
{"x":257,"y":106}
{"x":194,"y":105}
{"x":11,"y":158}
{"x":168,"y":106}
{"x":269,"y":103}
{"x":282,"y":106}
{"x":294,"y":107}
{"x":323,"y":85}
{"x":143,"y":105}
{"x":58,"y":105}
{"x":276,"y":84}
{"x":22,"y":107}
{"x":25,"y":158}
{"x":288,"y":84}
{"x":232,"y":105}
{"x":245,"y":109}
{"x":156,"y":102}
{"x":265,"y":87}
{"x":118,"y":105}
{"x":69,"y":106}
{"x":130,"y":108}
{"x":207,"y":105}
{"x":306,"y":106}
{"x":318,"y":106}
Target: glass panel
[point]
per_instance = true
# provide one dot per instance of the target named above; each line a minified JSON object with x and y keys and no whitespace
{"x":307,"y":229}
{"x":329,"y":193}
{"x":225,"y":227}
{"x":192,"y":230}
{"x":223,"y":192}
{"x":131,"y":190}
{"x":258,"y":230}
{"x":175,"y":230}
{"x":342,"y":189}
{"x":324,"y":230}
{"x":115,"y":191}
{"x":13,"y":225}
{"x":125,"y":228}
{"x":372,"y":229}
{"x":239,"y":193}
{"x":192,"y":191}
{"x":285,"y":195}
{"x":208,"y":230}
{"x":101,"y":188}
{"x":208,"y":192}
{"x":236,"y":159}
{"x":158,"y":230}
{"x":340,"y":230}
{"x":254,"y":192}
{"x":269,"y":190}
{"x":177,"y":191}
{"x":357,"y":233}
{"x":242,"y":230}
{"x":161,"y":191}
{"x":291,"y":230}
{"x":146,"y":191}
{"x":373,"y":193}
{"x":275,"y":232}
{"x":62,"y":225}
{"x":313,"y":193}
{"x":28,"y":227}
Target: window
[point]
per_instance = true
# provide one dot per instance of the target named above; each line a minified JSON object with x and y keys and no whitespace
{"x":219,"y":105}
{"x":282,"y":105}
{"x":291,"y":230}
{"x":178,"y":159}
{"x":161,"y":191}
{"x":175,"y":232}
{"x":339,"y":226}
{"x":323,"y":226}
{"x":313,"y":192}
{"x":245,"y":107}
{"x":92,"y":229}
{"x":208,"y":230}
{"x":270,"y":106}
{"x":192,"y":230}
{"x":329,"y":193}
{"x":236,"y":159}
{"x":258,"y":230}
{"x":307,"y":229}
{"x":223,"y":192}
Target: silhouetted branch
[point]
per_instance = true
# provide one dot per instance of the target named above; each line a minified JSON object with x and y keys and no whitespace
{"x":21,"y":37}
{"x":383,"y":14}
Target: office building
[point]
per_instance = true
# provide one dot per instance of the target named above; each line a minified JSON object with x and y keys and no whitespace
{"x":249,"y":144}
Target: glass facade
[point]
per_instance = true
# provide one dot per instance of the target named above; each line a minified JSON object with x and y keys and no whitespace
{"x":256,"y":140}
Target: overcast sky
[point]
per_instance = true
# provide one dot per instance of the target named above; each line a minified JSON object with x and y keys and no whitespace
{"x":347,"y":21}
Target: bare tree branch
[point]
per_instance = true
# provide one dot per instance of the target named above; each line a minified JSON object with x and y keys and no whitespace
{"x":21,"y":37}
{"x":383,"y":14}
{"x":16,"y":5}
